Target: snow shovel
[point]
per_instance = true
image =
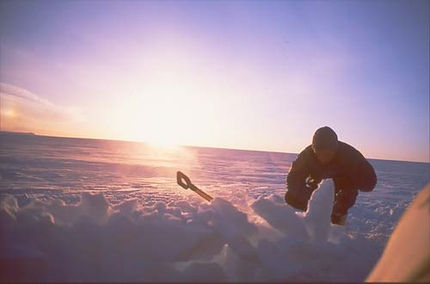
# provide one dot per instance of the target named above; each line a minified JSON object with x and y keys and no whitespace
{"x":186,"y":183}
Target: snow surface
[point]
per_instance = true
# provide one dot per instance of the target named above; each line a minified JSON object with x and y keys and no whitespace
{"x":94,"y":210}
{"x":97,"y":241}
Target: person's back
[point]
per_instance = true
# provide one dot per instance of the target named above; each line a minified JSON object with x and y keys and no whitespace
{"x":329,"y":158}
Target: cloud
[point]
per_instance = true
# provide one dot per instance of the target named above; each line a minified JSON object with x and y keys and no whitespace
{"x":22,"y":110}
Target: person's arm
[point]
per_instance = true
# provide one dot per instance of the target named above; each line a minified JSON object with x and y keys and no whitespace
{"x":365,"y":177}
{"x":356,"y":173}
{"x":296,"y":178}
{"x":298,"y":193}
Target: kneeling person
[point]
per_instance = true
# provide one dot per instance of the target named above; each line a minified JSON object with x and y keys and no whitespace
{"x":328,"y":157}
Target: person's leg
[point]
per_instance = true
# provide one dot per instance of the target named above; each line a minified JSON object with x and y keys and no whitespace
{"x":344,"y":199}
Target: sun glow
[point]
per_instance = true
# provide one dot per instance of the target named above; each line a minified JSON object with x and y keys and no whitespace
{"x":9,"y":113}
{"x":164,"y":105}
{"x":161,"y":114}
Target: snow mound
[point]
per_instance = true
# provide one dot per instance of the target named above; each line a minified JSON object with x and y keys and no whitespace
{"x":178,"y":241}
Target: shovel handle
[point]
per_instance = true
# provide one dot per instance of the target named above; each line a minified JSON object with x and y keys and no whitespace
{"x":183,"y":180}
{"x":203,"y":194}
{"x":186,"y":183}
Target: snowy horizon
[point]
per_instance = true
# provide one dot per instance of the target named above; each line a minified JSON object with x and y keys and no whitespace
{"x":161,"y":146}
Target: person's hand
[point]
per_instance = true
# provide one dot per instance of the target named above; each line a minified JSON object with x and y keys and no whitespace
{"x":312,"y":183}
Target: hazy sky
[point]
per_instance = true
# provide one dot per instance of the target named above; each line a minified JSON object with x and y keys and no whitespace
{"x":237,"y":74}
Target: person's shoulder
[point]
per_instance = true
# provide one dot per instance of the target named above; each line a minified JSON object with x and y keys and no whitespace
{"x":347,"y":150}
{"x":307,"y":152}
{"x":304,"y":159}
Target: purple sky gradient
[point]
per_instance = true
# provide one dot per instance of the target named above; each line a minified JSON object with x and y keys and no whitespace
{"x":237,"y":74}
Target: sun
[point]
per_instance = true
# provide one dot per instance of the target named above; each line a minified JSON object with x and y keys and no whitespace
{"x":165,"y":116}
{"x":166,"y":107}
{"x":9,"y":113}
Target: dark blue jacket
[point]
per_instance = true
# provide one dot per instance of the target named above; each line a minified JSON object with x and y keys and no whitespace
{"x":349,"y":171}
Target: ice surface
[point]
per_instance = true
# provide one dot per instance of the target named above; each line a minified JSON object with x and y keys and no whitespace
{"x":93,"y":210}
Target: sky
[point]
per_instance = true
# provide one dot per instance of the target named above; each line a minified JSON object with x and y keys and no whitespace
{"x":261,"y":75}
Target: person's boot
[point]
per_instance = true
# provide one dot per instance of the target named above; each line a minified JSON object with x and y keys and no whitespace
{"x":338,"y":219}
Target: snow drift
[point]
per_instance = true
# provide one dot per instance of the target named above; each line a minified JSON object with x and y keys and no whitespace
{"x":178,"y":241}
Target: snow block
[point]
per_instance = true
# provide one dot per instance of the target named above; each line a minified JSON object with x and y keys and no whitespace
{"x":317,"y":217}
{"x":280,"y":216}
